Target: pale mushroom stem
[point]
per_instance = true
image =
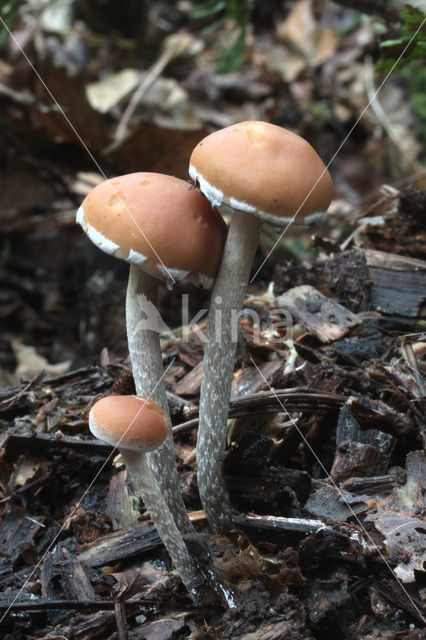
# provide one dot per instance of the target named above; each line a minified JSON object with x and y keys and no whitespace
{"x":226,"y":303}
{"x":140,"y":472}
{"x":147,"y":365}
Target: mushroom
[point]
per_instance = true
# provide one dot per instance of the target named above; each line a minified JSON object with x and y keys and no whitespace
{"x":167,"y":230}
{"x":135,"y":426}
{"x":261,"y":172}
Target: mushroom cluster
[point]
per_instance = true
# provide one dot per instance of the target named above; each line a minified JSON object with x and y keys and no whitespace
{"x":167,"y":229}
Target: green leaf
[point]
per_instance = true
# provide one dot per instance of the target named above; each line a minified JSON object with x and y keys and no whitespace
{"x":8,"y":13}
{"x":229,"y":49}
{"x":411,"y":44}
{"x":208,"y":9}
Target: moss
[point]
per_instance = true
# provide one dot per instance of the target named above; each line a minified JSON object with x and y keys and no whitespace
{"x":415,"y":75}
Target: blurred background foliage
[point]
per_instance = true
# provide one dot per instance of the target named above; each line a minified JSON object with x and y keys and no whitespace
{"x":135,"y":85}
{"x":410,"y":41}
{"x":235,"y":16}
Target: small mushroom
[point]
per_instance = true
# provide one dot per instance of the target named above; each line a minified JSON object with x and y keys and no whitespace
{"x":135,"y":426}
{"x":261,"y":172}
{"x":168,"y":231}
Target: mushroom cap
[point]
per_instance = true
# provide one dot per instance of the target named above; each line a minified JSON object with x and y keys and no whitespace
{"x":128,"y":422}
{"x":263,"y":169}
{"x":158,"y":222}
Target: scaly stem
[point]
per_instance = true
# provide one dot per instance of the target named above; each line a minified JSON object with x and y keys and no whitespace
{"x":222,"y":334}
{"x":147,"y":365}
{"x":139,"y":470}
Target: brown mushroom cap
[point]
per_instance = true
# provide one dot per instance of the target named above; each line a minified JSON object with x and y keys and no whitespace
{"x":151,"y":220}
{"x":262,"y":169}
{"x":129,"y":422}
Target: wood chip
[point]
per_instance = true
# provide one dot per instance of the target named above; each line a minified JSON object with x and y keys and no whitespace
{"x":322,"y":317}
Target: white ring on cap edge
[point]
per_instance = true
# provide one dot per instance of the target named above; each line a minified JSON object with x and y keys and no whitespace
{"x":138,"y":259}
{"x":103,"y":243}
{"x":177,"y":274}
{"x":107,"y":245}
{"x":218,"y":198}
{"x":135,"y":258}
{"x":79,"y":216}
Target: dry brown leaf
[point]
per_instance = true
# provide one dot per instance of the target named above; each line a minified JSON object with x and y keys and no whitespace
{"x":307,"y":44}
{"x":155,"y":148}
{"x":106,"y":93}
{"x":405,"y":535}
{"x":134,"y":580}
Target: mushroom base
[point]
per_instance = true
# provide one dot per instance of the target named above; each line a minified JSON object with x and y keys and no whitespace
{"x":140,"y":472}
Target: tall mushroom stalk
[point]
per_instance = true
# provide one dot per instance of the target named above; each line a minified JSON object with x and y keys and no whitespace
{"x":167,"y":230}
{"x":263,"y":172}
{"x":148,"y":371}
{"x":219,"y":353}
{"x":135,"y":426}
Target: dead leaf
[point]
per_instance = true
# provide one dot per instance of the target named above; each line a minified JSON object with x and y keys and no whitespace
{"x":164,"y":629}
{"x":27,"y":468}
{"x":145,"y":578}
{"x":401,"y":519}
{"x":30,"y":363}
{"x":106,"y":93}
{"x":307,"y":44}
{"x":81,"y":124}
{"x":249,"y":564}
{"x":157,"y":149}
{"x":405,"y":535}
{"x":15,"y":200}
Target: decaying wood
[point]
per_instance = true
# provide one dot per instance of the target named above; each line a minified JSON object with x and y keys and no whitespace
{"x":399,"y":283}
{"x":348,"y":426}
{"x":382,"y":416}
{"x":250,"y":380}
{"x":277,"y":491}
{"x":393,"y":592}
{"x":121,"y":621}
{"x":83,"y":605}
{"x":357,"y":459}
{"x":75,"y":581}
{"x":17,"y":536}
{"x":45,"y":445}
{"x":273,"y":401}
{"x":322,"y":317}
{"x":191,"y":383}
{"x":343,"y":277}
{"x":120,"y":545}
{"x":376,"y":485}
{"x":294,"y":526}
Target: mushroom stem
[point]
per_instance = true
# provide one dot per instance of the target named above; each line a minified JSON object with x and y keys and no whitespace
{"x":147,"y":365}
{"x":226,"y":302}
{"x":139,"y":469}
